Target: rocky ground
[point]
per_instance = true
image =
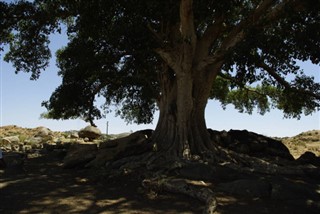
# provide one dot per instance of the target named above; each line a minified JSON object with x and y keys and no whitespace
{"x":44,"y":177}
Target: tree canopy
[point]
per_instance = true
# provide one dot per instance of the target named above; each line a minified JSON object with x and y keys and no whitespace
{"x":118,"y":49}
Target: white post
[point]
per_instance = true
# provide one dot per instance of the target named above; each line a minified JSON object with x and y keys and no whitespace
{"x":107,"y":127}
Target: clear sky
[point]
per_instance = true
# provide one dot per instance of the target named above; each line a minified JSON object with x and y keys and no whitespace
{"x":20,"y":104}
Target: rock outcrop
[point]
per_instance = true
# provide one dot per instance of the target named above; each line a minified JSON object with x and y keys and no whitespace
{"x":133,"y":144}
{"x":79,"y":155}
{"x":250,"y":143}
{"x":309,"y":158}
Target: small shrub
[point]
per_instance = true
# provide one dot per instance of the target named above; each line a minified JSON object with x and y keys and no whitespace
{"x":22,"y":138}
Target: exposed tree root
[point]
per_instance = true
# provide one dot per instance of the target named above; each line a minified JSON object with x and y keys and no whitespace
{"x":182,"y":186}
{"x":135,"y":152}
{"x":246,"y":163}
{"x":159,"y":167}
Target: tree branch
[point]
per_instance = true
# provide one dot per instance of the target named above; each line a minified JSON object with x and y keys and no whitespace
{"x":156,"y":35}
{"x":168,"y":56}
{"x":186,"y":18}
{"x":209,"y":37}
{"x":257,"y":19}
{"x":240,"y":84}
{"x":283,"y":82}
{"x":238,"y":34}
{"x":274,"y":74}
{"x":187,"y":33}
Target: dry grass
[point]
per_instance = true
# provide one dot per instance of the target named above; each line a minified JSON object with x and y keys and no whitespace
{"x":305,"y":141}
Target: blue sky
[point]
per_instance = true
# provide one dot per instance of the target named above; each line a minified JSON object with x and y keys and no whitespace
{"x":20,"y":104}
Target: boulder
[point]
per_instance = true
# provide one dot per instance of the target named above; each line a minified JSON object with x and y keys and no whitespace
{"x":277,"y":148}
{"x":10,"y":140}
{"x":134,"y":144}
{"x":15,"y":147}
{"x":34,"y":141}
{"x":74,"y":135}
{"x":14,"y":159}
{"x":43,"y":132}
{"x":250,"y":143}
{"x":79,"y":155}
{"x":90,"y":132}
{"x":309,"y":158}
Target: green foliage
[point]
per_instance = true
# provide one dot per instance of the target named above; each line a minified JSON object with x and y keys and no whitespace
{"x":111,"y":53}
{"x":26,"y":26}
{"x":293,"y":101}
{"x":5,"y":25}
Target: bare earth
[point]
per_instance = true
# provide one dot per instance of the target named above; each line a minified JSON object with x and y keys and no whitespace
{"x":43,"y":186}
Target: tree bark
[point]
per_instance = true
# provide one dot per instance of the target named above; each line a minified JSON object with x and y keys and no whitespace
{"x":184,"y":187}
{"x":181,"y":130}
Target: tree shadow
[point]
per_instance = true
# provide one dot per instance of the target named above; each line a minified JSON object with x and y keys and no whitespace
{"x":43,"y":186}
{"x":288,"y":194}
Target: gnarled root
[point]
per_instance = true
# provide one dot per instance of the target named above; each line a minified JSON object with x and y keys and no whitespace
{"x":246,"y":163}
{"x":183,"y":186}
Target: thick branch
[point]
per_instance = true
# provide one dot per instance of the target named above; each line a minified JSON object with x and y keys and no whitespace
{"x":186,"y":18}
{"x":209,"y":37}
{"x":181,"y":52}
{"x":276,"y":11}
{"x":187,"y":33}
{"x":274,"y":74}
{"x":169,"y":57}
{"x":156,"y":35}
{"x":283,"y":82}
{"x":238,"y":34}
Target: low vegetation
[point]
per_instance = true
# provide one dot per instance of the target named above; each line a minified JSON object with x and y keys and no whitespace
{"x":305,"y":141}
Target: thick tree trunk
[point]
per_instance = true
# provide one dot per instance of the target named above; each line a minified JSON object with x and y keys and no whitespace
{"x":186,"y":83}
{"x":181,"y":130}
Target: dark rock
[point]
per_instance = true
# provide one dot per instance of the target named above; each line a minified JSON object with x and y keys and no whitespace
{"x":309,"y":158}
{"x":134,"y":144}
{"x":79,"y":155}
{"x":277,"y":148}
{"x":250,"y":143}
{"x":14,"y":159}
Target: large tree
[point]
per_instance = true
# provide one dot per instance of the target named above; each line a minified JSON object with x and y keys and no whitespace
{"x":170,"y":55}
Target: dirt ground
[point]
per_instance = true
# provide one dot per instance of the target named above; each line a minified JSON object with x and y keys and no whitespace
{"x":43,"y":186}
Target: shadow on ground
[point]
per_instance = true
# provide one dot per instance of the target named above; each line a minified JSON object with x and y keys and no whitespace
{"x":43,"y":186}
